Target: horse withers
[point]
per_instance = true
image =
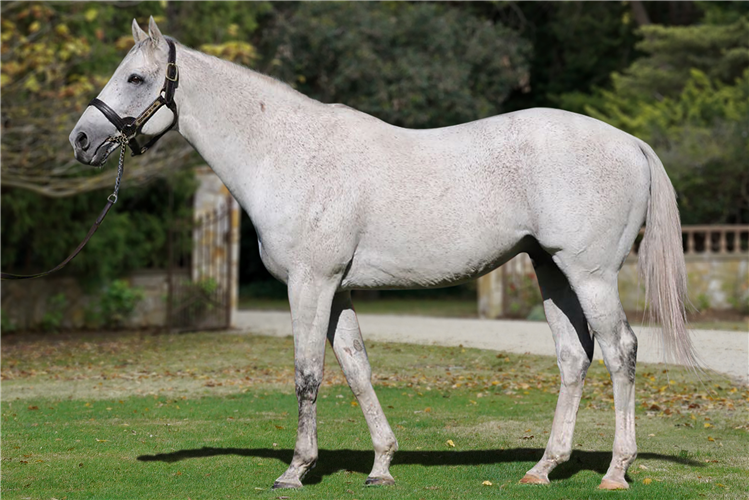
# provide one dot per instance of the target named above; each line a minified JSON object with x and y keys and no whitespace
{"x":342,"y":201}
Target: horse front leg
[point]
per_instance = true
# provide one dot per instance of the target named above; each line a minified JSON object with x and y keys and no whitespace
{"x":345,"y":338}
{"x":310,"y":300}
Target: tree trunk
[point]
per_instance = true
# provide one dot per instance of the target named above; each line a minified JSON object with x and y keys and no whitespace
{"x":639,"y":13}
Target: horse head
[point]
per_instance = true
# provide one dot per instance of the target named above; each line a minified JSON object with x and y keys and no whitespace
{"x":139,"y":90}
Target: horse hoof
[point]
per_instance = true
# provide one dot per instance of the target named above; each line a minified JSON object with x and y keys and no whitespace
{"x":531,"y":479}
{"x":280,"y":486}
{"x":379,"y":481}
{"x":610,"y":484}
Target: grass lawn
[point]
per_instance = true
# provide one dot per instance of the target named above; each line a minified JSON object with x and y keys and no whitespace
{"x":211,"y":415}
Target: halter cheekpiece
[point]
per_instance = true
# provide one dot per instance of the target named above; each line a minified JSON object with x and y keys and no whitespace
{"x":130,"y":127}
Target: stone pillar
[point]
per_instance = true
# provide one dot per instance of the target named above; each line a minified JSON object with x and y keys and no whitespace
{"x":490,"y":291}
{"x":210,"y":197}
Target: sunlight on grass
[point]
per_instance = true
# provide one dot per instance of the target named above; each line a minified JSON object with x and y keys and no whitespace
{"x":208,"y":415}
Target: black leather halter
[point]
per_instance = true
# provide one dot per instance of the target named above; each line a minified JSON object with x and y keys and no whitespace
{"x":130,"y":127}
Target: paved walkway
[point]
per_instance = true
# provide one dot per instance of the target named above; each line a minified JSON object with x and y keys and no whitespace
{"x":724,"y":352}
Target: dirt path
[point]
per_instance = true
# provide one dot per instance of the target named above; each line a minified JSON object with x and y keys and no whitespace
{"x":724,"y":352}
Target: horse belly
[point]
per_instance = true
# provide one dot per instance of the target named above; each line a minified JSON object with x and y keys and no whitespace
{"x":421,"y":261}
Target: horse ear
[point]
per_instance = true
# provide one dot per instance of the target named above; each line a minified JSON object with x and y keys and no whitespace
{"x":154,"y":32}
{"x":138,"y":34}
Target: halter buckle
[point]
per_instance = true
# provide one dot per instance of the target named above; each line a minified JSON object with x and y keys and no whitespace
{"x":176,"y":72}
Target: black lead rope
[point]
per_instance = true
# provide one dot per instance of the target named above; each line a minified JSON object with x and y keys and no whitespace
{"x":111,"y":200}
{"x":128,"y":128}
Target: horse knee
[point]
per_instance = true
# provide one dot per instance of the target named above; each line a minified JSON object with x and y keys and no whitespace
{"x":307,"y":383}
{"x":573,"y":365}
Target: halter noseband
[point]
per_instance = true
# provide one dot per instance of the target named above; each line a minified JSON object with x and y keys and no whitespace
{"x":130,"y":127}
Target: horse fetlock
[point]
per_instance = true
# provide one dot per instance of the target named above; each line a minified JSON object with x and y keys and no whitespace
{"x":558,"y":458}
{"x":622,"y":461}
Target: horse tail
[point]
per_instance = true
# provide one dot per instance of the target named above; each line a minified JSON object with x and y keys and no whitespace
{"x":661,"y":265}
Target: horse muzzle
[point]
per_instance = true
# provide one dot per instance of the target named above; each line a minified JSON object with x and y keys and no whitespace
{"x":91,"y":148}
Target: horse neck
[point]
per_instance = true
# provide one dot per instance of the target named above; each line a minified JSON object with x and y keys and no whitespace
{"x":236,"y":118}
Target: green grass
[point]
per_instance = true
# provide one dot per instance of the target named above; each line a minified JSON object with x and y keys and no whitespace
{"x":214,"y":416}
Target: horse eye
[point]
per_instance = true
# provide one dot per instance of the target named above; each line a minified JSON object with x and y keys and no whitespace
{"x":135,"y":79}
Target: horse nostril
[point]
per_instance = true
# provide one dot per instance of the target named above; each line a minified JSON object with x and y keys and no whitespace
{"x":82,"y":141}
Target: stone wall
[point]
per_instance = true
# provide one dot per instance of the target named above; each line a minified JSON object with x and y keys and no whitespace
{"x":718,"y":282}
{"x":25,"y":303}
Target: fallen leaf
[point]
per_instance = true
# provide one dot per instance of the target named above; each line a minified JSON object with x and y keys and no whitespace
{"x":102,"y":440}
{"x":647,"y":480}
{"x":33,"y":407}
{"x":450,"y":443}
{"x":708,"y":425}
{"x":487,"y":483}
{"x":710,"y":439}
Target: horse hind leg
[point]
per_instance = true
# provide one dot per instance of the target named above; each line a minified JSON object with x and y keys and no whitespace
{"x":599,"y":298}
{"x":345,"y":337}
{"x":574,"y":347}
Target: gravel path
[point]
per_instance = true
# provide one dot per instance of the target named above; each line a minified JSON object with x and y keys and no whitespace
{"x":722,"y":351}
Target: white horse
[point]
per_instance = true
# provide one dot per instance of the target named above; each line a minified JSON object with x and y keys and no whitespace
{"x":343,"y":201}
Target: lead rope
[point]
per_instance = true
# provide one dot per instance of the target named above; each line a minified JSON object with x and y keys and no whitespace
{"x":123,"y":141}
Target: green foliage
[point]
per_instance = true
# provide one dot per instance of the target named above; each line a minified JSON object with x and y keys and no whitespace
{"x":410,"y":64}
{"x":688,"y":97}
{"x":721,"y":51}
{"x":118,"y":302}
{"x":523,"y":296}
{"x":7,"y":325}
{"x":39,"y":232}
{"x":701,"y":136}
{"x":55,"y":313}
{"x":197,"y":23}
{"x":703,"y":302}
{"x":116,"y":305}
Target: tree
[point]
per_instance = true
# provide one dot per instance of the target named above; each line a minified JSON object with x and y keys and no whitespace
{"x":688,"y":98}
{"x":56,"y":57}
{"x":410,"y":64}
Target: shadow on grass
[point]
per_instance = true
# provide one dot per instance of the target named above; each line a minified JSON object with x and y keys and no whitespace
{"x":332,"y":461}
